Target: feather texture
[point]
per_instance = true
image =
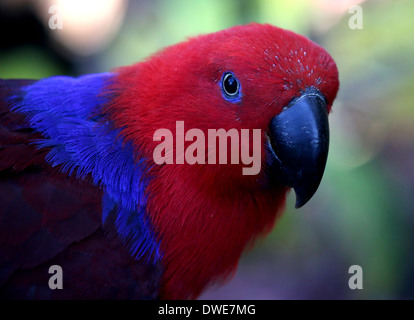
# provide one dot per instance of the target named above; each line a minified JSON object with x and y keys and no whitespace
{"x":58,"y":163}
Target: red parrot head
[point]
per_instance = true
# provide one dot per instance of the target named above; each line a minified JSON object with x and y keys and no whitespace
{"x":246,"y":77}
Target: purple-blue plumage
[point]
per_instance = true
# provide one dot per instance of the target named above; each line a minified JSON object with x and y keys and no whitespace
{"x":65,"y":126}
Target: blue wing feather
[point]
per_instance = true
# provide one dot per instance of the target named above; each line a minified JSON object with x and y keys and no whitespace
{"x":68,"y":113}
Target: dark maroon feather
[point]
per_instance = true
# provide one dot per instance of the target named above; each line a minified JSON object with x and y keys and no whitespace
{"x":47,"y":218}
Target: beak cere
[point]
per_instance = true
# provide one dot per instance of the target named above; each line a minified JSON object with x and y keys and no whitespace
{"x":299,"y":143}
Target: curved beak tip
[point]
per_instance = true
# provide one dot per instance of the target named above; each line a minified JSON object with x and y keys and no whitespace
{"x":303,"y":195}
{"x":300,"y":202}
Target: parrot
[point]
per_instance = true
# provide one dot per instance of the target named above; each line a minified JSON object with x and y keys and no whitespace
{"x":80,"y":188}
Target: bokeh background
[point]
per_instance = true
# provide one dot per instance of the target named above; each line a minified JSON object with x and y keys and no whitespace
{"x":363,"y":211}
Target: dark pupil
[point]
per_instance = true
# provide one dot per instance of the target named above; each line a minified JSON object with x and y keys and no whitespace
{"x":230,"y":85}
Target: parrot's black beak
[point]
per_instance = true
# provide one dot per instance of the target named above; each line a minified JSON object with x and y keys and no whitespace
{"x":299,"y":142}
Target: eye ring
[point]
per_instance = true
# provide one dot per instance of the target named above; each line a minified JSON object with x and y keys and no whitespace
{"x":230,"y":87}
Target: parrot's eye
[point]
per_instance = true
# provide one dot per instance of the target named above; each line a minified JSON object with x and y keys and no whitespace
{"x":230,"y":87}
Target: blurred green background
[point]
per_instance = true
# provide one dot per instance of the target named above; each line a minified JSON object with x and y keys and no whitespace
{"x":362,"y":213}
